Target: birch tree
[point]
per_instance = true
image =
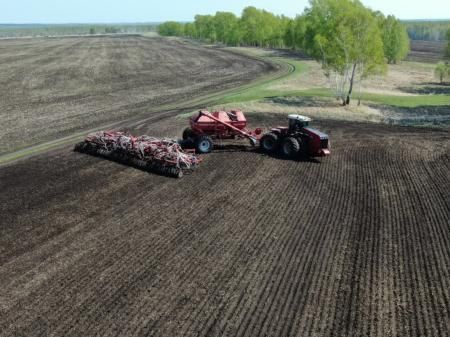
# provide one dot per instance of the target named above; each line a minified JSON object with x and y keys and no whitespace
{"x":226,"y":26}
{"x":345,"y":38}
{"x":395,"y":39}
{"x":442,"y":71}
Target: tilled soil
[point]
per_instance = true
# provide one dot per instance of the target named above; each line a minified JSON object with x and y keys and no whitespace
{"x":427,"y":51}
{"x":356,"y":244}
{"x":50,"y":88}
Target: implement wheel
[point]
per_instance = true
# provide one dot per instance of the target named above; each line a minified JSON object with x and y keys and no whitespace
{"x":188,"y":134}
{"x":269,"y":142}
{"x":204,"y":144}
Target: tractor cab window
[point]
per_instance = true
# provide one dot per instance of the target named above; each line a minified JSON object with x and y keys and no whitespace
{"x":296,"y":125}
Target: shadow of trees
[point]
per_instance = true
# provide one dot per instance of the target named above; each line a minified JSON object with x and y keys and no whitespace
{"x":420,"y":115}
{"x":301,"y":101}
{"x":289,"y":53}
{"x":432,"y":89}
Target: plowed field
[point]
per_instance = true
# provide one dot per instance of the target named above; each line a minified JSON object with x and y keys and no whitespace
{"x":248,"y":245}
{"x":427,"y":51}
{"x":356,"y":244}
{"x":51,"y":88}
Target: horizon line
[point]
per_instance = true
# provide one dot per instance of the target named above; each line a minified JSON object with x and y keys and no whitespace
{"x":154,"y":22}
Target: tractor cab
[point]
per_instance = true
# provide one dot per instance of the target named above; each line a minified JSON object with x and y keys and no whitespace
{"x":297,"y":123}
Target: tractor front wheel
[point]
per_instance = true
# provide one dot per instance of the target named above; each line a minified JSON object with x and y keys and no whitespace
{"x":291,"y":147}
{"x":204,"y":144}
{"x":269,"y":142}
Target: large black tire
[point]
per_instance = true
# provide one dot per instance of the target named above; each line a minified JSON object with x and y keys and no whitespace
{"x":175,"y":172}
{"x":188,"y":134}
{"x":269,"y":142}
{"x":203,"y":144}
{"x":290,"y":147}
{"x":80,"y":147}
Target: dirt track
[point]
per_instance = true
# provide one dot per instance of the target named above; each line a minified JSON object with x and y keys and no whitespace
{"x":51,"y":88}
{"x":248,"y":245}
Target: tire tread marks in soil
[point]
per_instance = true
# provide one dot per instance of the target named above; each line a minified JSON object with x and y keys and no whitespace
{"x":248,"y":245}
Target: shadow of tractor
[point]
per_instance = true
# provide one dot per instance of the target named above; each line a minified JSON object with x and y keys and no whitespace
{"x":256,"y":150}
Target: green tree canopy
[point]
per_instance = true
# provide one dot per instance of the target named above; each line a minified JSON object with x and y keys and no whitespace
{"x":189,"y":30}
{"x":295,"y":32}
{"x":171,"y":28}
{"x":395,"y":39}
{"x":442,"y":71}
{"x":251,"y":25}
{"x":289,"y":34}
{"x":345,"y":38}
{"x":205,"y":27}
{"x":226,"y":26}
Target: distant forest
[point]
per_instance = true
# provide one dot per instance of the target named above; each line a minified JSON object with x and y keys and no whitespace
{"x":24,"y":30}
{"x":427,"y":30}
{"x":433,"y":30}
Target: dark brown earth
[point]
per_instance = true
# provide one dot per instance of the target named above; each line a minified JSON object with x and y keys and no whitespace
{"x":427,"y":51}
{"x":248,"y":245}
{"x":50,"y":88}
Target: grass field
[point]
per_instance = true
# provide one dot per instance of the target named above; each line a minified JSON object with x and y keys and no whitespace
{"x":407,"y":94}
{"x":356,"y":244}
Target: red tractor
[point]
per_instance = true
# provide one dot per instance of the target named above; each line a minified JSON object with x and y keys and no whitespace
{"x":296,"y":139}
{"x":293,"y":140}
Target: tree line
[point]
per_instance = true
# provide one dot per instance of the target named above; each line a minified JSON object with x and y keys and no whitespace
{"x":260,"y":28}
{"x":255,"y":27}
{"x":427,"y":30}
{"x":23,"y":30}
{"x":448,"y":43}
{"x":442,"y":69}
{"x":349,"y":40}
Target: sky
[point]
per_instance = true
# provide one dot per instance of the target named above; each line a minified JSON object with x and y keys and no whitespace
{"x":109,"y":11}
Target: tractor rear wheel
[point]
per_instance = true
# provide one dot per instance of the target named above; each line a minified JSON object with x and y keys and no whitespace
{"x":269,"y":142}
{"x":290,"y":147}
{"x":204,"y":144}
{"x":188,"y":133}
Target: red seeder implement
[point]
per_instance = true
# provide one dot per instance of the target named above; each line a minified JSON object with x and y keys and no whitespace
{"x":164,"y":156}
{"x":290,"y":141}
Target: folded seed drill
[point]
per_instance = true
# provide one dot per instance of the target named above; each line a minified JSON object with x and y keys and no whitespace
{"x":163,"y":156}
